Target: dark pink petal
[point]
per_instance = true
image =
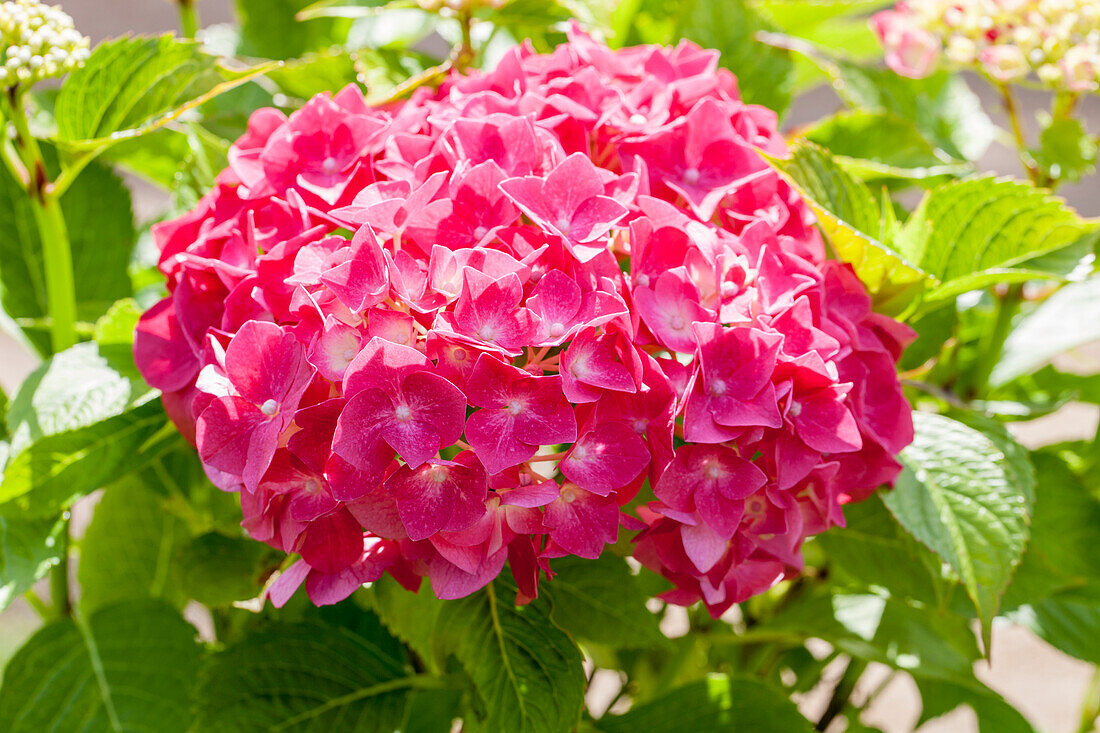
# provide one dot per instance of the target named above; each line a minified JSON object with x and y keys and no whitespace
{"x":450,"y":582}
{"x":605,"y":458}
{"x":331,"y":544}
{"x":363,"y":280}
{"x":382,"y":365}
{"x":287,"y":583}
{"x":161,"y":353}
{"x":491,"y":433}
{"x":582,"y":523}
{"x":235,"y":436}
{"x":825,"y":424}
{"x":440,"y":495}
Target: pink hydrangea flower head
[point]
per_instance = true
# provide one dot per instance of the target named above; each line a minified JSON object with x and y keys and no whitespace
{"x":510,"y":319}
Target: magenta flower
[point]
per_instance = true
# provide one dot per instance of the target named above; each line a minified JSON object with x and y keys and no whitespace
{"x":712,"y":481}
{"x":519,"y":414}
{"x":439,"y":495}
{"x":606,"y":458}
{"x":394,"y":399}
{"x":733,"y":388}
{"x":570,"y":201}
{"x":701,"y":158}
{"x":265,"y":375}
{"x":588,"y":239}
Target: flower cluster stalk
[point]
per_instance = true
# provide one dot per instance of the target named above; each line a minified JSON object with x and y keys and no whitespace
{"x":25,"y":161}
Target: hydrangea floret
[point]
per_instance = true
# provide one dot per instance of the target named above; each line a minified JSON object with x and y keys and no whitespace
{"x":502,"y":321}
{"x":1057,"y":41}
{"x":39,"y":42}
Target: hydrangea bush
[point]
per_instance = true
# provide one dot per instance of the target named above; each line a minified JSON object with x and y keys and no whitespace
{"x":651,"y":387}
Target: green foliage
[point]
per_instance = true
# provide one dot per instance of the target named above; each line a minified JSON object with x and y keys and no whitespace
{"x":852,"y":222}
{"x":993,"y":713}
{"x":969,"y":501}
{"x":134,"y":85}
{"x":28,"y":549}
{"x":1068,"y":319}
{"x":270,"y":29}
{"x":127,"y":551}
{"x":127,"y":667}
{"x":941,"y":105}
{"x":76,"y":423}
{"x":973,"y":233}
{"x":97,"y":211}
{"x":306,"y":677}
{"x":1066,"y":149}
{"x":729,"y":26}
{"x":875,"y":553}
{"x":604,"y":602}
{"x":718,"y":702}
{"x":526,"y":670}
{"x":218,"y":570}
{"x":880,"y":146}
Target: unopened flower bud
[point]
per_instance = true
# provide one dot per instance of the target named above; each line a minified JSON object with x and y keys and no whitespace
{"x":39,"y":42}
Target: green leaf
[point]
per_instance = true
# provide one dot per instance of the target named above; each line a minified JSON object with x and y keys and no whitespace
{"x":907,"y":636}
{"x":527,"y":670}
{"x":1066,"y":320}
{"x":412,"y":617}
{"x":851,"y":220}
{"x":602,"y":601}
{"x":97,"y":212}
{"x":881,"y":146}
{"x":1069,"y":621}
{"x":993,"y":713}
{"x":328,"y":71}
{"x":136,"y":84}
{"x":729,"y":26}
{"x":127,"y":551}
{"x":217,"y":570}
{"x":1066,"y":150}
{"x":28,"y":549}
{"x":74,"y":389}
{"x":52,"y":472}
{"x":1065,"y":532}
{"x":116,"y":327}
{"x":963,"y":497}
{"x":306,"y":677}
{"x":874,"y":552}
{"x":270,"y":29}
{"x":973,"y":233}
{"x":129,"y":667}
{"x":941,"y":105}
{"x":716,"y":703}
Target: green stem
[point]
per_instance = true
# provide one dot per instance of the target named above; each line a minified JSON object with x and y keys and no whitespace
{"x":1090,"y":708}
{"x":57,"y":257}
{"x":189,"y":18}
{"x":54,"y":235}
{"x":464,"y":53}
{"x":993,"y":344}
{"x":36,"y":603}
{"x":1013,"y":112}
{"x":59,"y":579}
{"x":841,"y":693}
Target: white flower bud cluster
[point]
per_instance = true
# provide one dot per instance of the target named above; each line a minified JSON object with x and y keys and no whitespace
{"x":1057,"y":41}
{"x":39,"y":42}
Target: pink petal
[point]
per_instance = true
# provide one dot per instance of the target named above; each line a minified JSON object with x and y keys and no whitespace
{"x":606,"y":458}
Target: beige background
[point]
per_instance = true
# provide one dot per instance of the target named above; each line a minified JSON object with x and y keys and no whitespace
{"x":1045,"y":685}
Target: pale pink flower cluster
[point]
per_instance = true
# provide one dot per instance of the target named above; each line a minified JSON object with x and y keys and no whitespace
{"x":500,"y":321}
{"x":1056,"y":41}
